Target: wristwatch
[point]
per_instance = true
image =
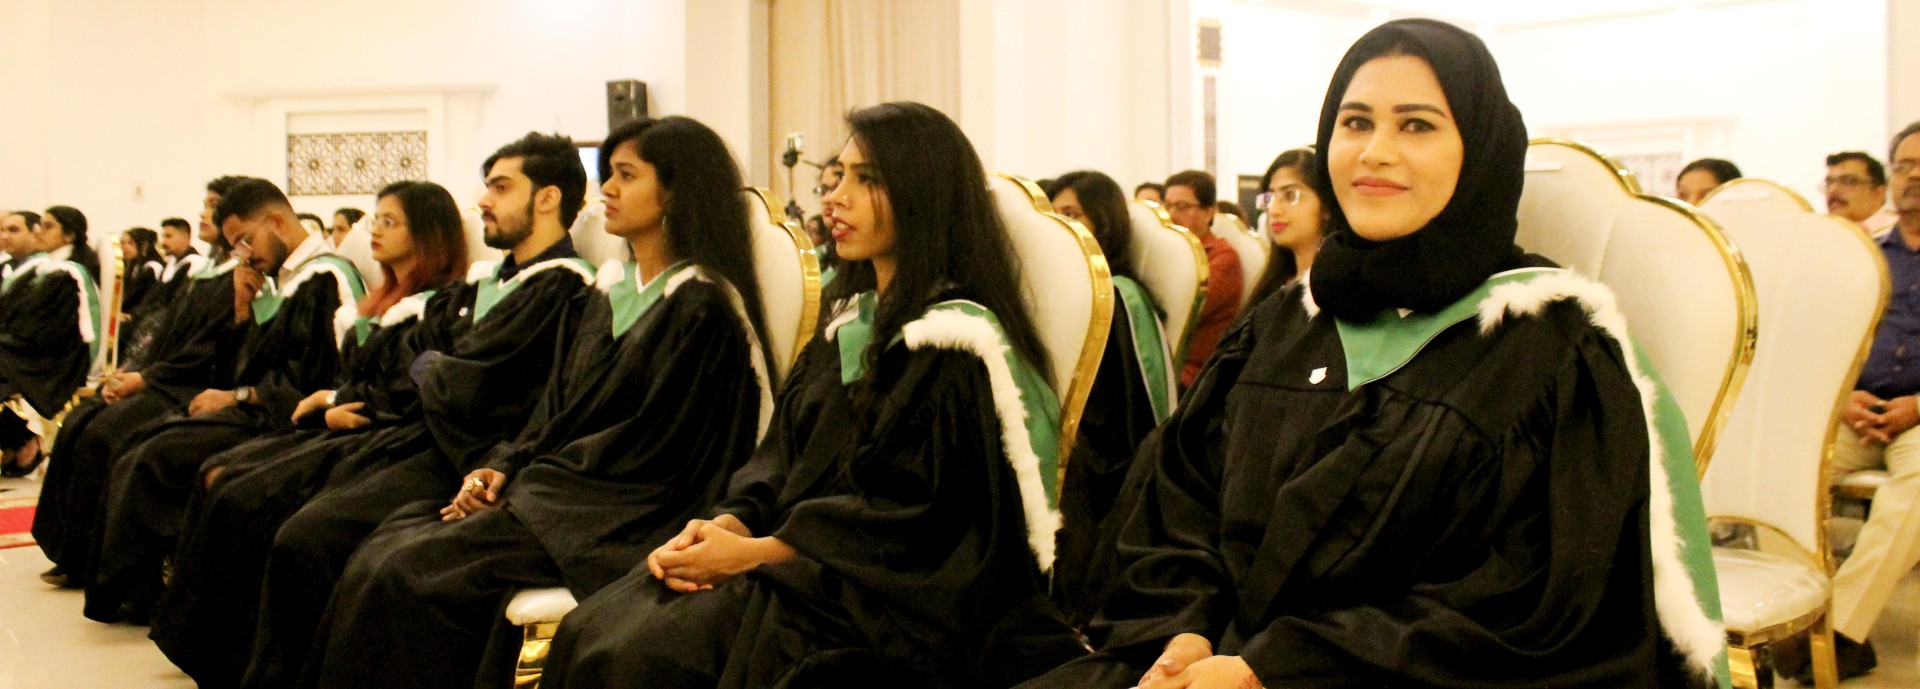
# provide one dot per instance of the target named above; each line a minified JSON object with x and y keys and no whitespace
{"x":243,"y":395}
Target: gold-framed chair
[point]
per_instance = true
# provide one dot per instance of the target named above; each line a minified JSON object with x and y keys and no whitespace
{"x":1069,"y":293}
{"x":789,"y":276}
{"x":1822,"y":285}
{"x":1170,"y":261}
{"x":1681,"y":283}
{"x":1249,"y":246}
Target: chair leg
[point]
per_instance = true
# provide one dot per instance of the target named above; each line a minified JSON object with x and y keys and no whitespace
{"x":1826,"y":670}
{"x":533,"y":654}
{"x":1740,"y":663}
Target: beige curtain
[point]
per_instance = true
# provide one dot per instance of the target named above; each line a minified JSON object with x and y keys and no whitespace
{"x":831,"y":56}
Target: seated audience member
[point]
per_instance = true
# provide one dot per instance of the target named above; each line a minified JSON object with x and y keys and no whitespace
{"x":1129,"y":397}
{"x":885,"y":527}
{"x":1856,"y":189}
{"x":1702,"y":176}
{"x":1150,"y":191}
{"x":315,"y":225}
{"x":1428,"y":508}
{"x":7,"y":249}
{"x":49,"y":335}
{"x":140,"y":269}
{"x":343,"y":221}
{"x":179,"y":260}
{"x":193,"y":352}
{"x":178,"y":263}
{"x":205,"y":620}
{"x":289,"y":350}
{"x":1877,"y":433}
{"x":1295,"y":219}
{"x":20,"y":229}
{"x":1190,"y":202}
{"x":609,"y":470}
{"x":473,"y":394}
{"x":71,"y":225}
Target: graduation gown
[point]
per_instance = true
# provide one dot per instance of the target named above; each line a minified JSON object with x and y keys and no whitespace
{"x":49,"y":332}
{"x":917,"y":558}
{"x":205,"y":620}
{"x":1458,"y":499}
{"x":472,"y":396}
{"x":289,"y":351}
{"x":637,"y":436}
{"x":191,"y":353}
{"x":149,"y":312}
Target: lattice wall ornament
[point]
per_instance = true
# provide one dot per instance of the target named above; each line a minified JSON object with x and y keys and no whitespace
{"x":353,"y":163}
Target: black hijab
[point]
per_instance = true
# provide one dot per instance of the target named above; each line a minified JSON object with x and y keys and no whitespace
{"x":1472,"y":238}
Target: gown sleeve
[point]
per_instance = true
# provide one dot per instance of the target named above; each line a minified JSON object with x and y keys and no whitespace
{"x":42,"y":354}
{"x":308,"y":358}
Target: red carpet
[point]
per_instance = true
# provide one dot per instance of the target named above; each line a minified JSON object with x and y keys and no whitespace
{"x":16,"y":521}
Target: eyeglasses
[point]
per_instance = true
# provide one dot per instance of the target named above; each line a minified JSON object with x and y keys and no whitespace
{"x":1291,"y":195}
{"x":1182,"y":206}
{"x":1904,"y":167}
{"x":1845,"y":182}
{"x":387,"y":223}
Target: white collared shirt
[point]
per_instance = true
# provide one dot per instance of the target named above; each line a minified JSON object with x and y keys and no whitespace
{"x":64,"y":253}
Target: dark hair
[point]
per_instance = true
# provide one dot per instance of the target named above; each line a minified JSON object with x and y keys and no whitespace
{"x":247,"y":199}
{"x":1233,"y":209}
{"x":145,"y":249}
{"x":176,"y":224}
{"x":548,"y":161}
{"x":1199,"y":180}
{"x":1910,"y":130}
{"x":1723,"y":171}
{"x":32,"y":218}
{"x":222,"y":185}
{"x":438,"y":234}
{"x":353,"y":214}
{"x":1281,"y":265}
{"x":75,"y":224}
{"x":1106,"y":209}
{"x":1157,"y":188}
{"x":309,"y":216}
{"x":1875,"y":171}
{"x":947,"y":232}
{"x":706,"y":215}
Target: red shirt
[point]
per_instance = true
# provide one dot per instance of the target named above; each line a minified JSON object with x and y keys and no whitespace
{"x":1224,"y":283}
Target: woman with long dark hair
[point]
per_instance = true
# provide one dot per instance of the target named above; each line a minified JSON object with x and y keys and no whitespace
{"x":140,"y":267}
{"x":1132,"y":393}
{"x":1436,"y":462}
{"x":882,"y":528}
{"x":662,"y":394}
{"x":71,"y":227}
{"x":204,"y":621}
{"x":1296,"y":219}
{"x":50,"y":335}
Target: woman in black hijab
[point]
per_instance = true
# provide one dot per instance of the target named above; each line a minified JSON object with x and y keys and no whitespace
{"x":1437,"y":462}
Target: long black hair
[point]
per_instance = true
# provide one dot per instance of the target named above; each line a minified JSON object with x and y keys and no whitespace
{"x":1106,"y":208}
{"x":74,"y":223}
{"x":706,"y":215}
{"x":947,"y":233}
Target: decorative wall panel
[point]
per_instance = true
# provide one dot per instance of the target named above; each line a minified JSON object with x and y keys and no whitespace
{"x":335,"y":164}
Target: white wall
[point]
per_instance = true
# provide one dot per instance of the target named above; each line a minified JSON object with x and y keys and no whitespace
{"x":105,"y":97}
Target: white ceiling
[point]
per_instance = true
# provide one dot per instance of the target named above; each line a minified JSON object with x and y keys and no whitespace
{"x":1497,"y":13}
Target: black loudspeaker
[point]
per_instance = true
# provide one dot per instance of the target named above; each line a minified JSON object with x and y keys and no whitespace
{"x":626,"y":102}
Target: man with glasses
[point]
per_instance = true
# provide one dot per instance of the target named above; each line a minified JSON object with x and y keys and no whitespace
{"x":1190,"y":202}
{"x":1856,"y":189}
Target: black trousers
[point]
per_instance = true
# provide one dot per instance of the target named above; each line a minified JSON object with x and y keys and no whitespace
{"x":66,"y":525}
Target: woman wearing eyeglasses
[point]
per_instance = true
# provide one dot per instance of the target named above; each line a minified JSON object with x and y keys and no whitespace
{"x":1295,"y":217}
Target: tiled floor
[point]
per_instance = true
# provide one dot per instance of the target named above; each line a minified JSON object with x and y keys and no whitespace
{"x":45,"y":643}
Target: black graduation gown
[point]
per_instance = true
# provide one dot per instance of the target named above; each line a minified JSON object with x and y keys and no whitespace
{"x":150,"y":318}
{"x":1478,"y":517}
{"x":913,"y":555}
{"x":205,"y":620}
{"x":283,"y":359}
{"x":191,"y":353}
{"x":138,"y":284}
{"x":473,"y":396}
{"x":44,"y":357}
{"x":1119,"y":413}
{"x":638,"y":436}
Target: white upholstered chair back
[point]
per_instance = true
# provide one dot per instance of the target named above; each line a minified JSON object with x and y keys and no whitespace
{"x":1068,"y":291}
{"x":1170,"y":262}
{"x":1682,"y":285}
{"x":789,"y":276}
{"x":1252,"y":251}
{"x":1822,"y":285}
{"x":107,"y":248}
{"x":358,"y":248}
{"x":590,"y":236}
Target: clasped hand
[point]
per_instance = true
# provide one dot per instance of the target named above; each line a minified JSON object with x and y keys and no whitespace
{"x":709,"y":552}
{"x":1189,"y":663}
{"x":479,"y":492}
{"x":1880,"y":421}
